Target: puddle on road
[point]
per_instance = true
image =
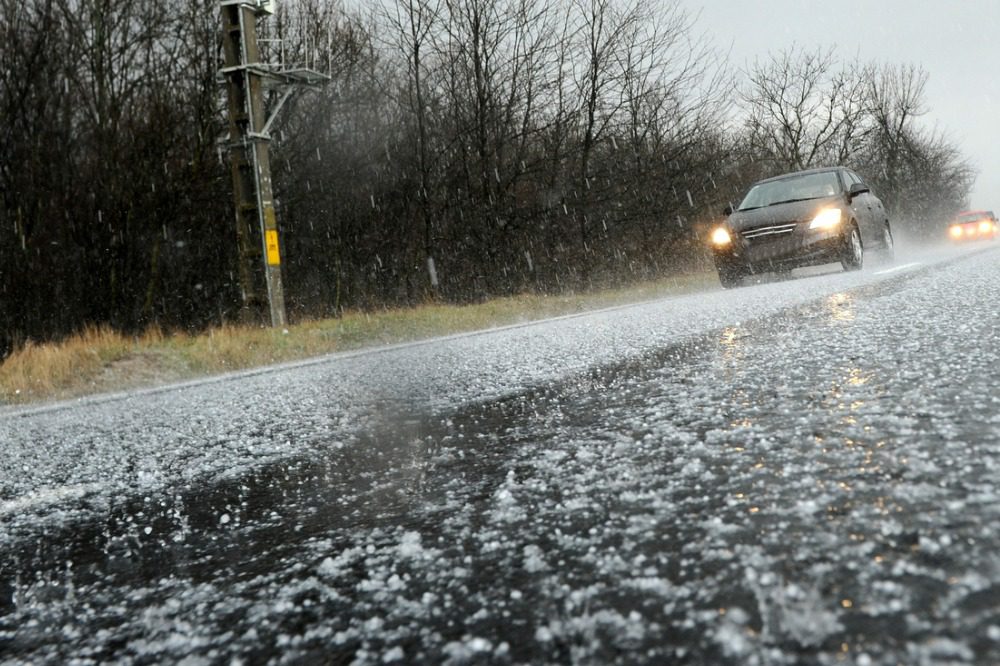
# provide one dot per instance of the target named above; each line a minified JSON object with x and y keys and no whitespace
{"x":238,"y":528}
{"x":410,"y":472}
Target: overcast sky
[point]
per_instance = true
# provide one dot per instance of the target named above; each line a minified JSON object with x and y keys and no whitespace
{"x":956,"y":41}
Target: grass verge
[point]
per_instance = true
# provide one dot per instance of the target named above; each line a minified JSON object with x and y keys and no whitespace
{"x":99,"y":359}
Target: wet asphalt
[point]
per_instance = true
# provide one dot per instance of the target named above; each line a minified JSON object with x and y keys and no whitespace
{"x":802,"y":471}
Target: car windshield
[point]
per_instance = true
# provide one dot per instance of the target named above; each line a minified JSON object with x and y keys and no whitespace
{"x":973,"y":217}
{"x":794,"y":188}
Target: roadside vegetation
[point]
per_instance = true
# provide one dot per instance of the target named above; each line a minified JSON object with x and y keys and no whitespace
{"x":461,"y":152}
{"x":99,"y":359}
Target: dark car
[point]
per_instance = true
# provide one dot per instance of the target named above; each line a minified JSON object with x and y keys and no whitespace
{"x":798,"y":219}
{"x":973,"y":225}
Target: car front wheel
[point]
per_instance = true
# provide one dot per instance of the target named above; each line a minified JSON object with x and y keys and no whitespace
{"x":854,"y":252}
{"x":730,"y":277}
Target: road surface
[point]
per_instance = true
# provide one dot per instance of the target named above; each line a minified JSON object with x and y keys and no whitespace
{"x":800,"y":471}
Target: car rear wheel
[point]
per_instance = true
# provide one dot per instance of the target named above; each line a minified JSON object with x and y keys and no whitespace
{"x":854,"y":252}
{"x":888,"y":251}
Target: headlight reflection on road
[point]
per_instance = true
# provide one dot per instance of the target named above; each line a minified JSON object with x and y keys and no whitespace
{"x":731,"y":346}
{"x":731,"y":340}
{"x":841,"y":307}
{"x":869,"y":465}
{"x":729,"y":336}
{"x":856,"y":377}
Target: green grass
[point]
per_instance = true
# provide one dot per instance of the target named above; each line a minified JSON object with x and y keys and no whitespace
{"x":99,"y":360}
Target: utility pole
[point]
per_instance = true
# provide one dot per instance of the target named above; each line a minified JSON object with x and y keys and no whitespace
{"x":249,"y":137}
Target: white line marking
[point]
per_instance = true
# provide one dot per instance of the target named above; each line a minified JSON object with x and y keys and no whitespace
{"x":898,"y":268}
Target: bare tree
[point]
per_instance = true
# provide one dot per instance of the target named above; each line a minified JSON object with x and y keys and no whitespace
{"x":412,"y":25}
{"x":30,"y":94}
{"x":111,"y":107}
{"x":605,"y":28}
{"x":895,"y":102}
{"x":920,"y":173}
{"x":802,"y":110}
{"x":933,"y":181}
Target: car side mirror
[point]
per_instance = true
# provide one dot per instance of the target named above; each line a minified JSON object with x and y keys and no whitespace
{"x":728,"y":210}
{"x":856,"y":189}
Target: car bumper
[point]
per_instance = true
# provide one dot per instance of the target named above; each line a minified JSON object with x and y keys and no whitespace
{"x":972,"y":238}
{"x":799,"y":248}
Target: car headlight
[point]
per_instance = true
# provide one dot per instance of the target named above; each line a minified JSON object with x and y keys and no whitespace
{"x":985,"y":227}
{"x":828,"y":218}
{"x":721,"y":237}
{"x":955,"y":231}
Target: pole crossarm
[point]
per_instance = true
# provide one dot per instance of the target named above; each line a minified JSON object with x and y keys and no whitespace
{"x":287,"y":82}
{"x":275,"y":78}
{"x":259,"y":7}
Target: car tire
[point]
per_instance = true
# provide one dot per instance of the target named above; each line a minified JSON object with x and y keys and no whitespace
{"x":731,"y":278}
{"x":853,"y":257}
{"x":888,"y":251}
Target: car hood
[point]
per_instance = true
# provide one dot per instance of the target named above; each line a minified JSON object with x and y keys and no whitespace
{"x":783,"y":213}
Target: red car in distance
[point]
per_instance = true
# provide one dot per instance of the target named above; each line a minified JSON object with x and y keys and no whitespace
{"x":973,"y":225}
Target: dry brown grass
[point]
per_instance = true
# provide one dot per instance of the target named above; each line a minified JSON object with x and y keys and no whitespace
{"x":41,"y":370}
{"x":99,"y":359}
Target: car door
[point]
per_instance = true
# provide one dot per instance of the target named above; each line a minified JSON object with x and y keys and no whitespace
{"x":879,"y":217}
{"x":865,"y":210}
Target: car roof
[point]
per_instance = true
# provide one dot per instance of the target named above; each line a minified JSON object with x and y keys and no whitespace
{"x":972,"y":216}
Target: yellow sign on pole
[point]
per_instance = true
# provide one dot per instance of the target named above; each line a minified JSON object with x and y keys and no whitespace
{"x":273,"y":256}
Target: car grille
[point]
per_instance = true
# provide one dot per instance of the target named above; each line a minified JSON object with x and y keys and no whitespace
{"x":772,"y":232}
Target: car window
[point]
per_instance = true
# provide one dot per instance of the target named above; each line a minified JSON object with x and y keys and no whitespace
{"x":973,"y":216}
{"x":794,"y":188}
